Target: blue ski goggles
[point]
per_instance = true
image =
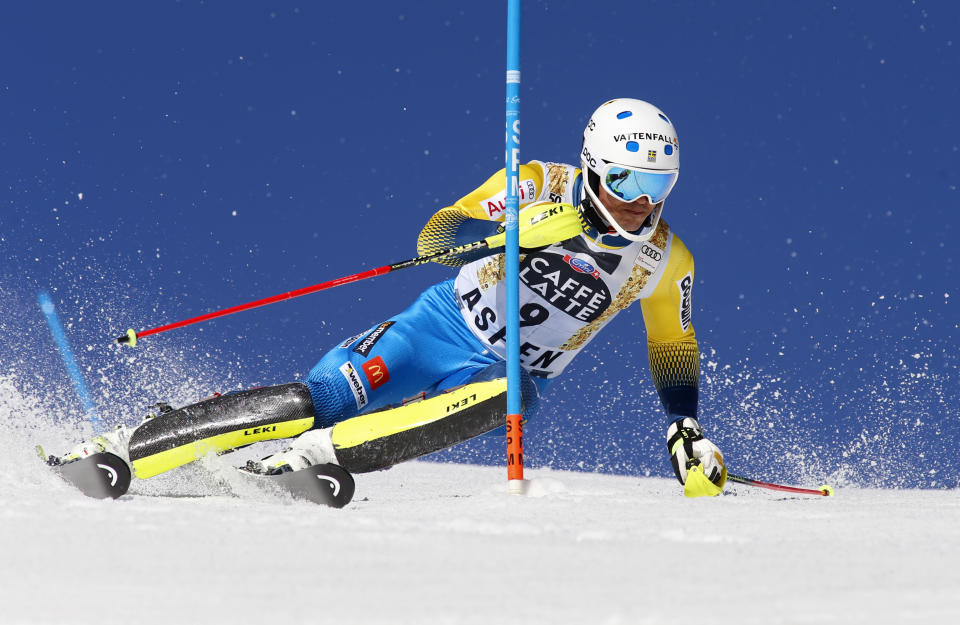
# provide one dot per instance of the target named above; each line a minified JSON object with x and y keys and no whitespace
{"x":629,"y":184}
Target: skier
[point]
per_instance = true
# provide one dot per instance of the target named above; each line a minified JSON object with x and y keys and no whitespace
{"x":447,"y":350}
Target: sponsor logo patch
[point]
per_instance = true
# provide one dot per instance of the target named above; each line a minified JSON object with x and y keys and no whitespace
{"x":350,"y":341}
{"x":686,"y":305}
{"x":650,"y":256}
{"x":356,"y":386}
{"x":497,"y":205}
{"x":646,"y":136}
{"x":467,"y":400}
{"x":581,"y":266}
{"x":564,"y":286}
{"x":363,"y":347}
{"x":266,"y":429}
{"x":376,"y":371}
{"x":111,"y":472}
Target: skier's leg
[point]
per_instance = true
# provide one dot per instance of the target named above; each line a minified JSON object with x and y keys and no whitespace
{"x":222,"y":423}
{"x":411,"y":353}
{"x":422,"y":346}
{"x":343,"y":382}
{"x":378,"y":440}
{"x":171,"y":438}
{"x":531,"y":388}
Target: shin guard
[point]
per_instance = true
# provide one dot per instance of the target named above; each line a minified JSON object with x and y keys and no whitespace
{"x":381,"y":439}
{"x":220,"y":424}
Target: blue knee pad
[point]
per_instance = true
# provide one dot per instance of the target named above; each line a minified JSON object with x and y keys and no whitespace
{"x":332,"y":398}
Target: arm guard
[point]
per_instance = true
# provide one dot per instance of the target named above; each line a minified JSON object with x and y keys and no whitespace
{"x":675,"y":368}
{"x":671,"y":340}
{"x":450,"y":227}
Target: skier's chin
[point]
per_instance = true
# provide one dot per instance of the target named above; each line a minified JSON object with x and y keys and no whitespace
{"x":630,"y":220}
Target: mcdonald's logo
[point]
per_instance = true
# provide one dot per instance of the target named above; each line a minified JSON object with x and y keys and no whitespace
{"x":376,"y":371}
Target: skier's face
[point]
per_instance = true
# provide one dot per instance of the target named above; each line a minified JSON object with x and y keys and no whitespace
{"x":629,"y":215}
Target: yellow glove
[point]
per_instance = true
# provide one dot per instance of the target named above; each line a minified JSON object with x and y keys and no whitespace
{"x":697,"y":463}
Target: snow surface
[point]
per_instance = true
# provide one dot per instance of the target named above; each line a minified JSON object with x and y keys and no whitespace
{"x":445,"y":543}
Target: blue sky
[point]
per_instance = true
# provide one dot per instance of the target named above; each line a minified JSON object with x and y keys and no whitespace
{"x":229,"y":151}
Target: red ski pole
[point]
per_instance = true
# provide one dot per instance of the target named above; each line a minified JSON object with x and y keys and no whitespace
{"x":825,"y":490}
{"x":131,"y":336}
{"x":545,"y":225}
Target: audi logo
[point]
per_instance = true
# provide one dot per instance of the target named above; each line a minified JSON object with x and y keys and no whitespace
{"x":651,"y":253}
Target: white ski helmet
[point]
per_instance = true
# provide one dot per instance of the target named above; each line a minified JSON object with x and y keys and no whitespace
{"x":630,"y":147}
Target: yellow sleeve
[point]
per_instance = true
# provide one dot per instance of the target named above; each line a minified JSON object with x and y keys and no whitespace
{"x":489,"y":200}
{"x":456,"y":225}
{"x":671,"y":340}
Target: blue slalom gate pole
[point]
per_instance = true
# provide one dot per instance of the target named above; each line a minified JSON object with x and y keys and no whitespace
{"x":56,"y":329}
{"x":512,"y":251}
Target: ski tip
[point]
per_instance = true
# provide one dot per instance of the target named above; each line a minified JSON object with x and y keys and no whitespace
{"x":130,"y":338}
{"x":327,"y":484}
{"x":101,"y":476}
{"x":827,"y":490}
{"x":336,"y":485}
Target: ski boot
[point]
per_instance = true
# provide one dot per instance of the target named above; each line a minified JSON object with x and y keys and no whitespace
{"x":112,"y":442}
{"x":100,"y":467}
{"x":307,"y":470}
{"x":310,"y":448}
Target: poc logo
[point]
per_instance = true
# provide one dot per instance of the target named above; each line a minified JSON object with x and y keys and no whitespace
{"x":589,"y":159}
{"x":686,"y":305}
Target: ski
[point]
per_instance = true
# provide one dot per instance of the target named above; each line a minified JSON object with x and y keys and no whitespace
{"x":101,"y":476}
{"x":326,"y":484}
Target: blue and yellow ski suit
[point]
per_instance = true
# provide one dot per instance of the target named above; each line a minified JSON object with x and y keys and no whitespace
{"x":454,"y":332}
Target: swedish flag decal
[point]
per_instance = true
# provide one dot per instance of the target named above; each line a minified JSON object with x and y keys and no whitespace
{"x":651,"y":156}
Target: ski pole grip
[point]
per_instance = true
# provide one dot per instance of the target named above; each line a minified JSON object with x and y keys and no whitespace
{"x":130,"y":337}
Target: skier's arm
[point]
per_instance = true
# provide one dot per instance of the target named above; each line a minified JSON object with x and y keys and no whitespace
{"x":675,"y":366}
{"x":476,"y":216}
{"x":671,"y":340}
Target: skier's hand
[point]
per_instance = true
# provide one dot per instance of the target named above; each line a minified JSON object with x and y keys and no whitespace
{"x":697,"y":462}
